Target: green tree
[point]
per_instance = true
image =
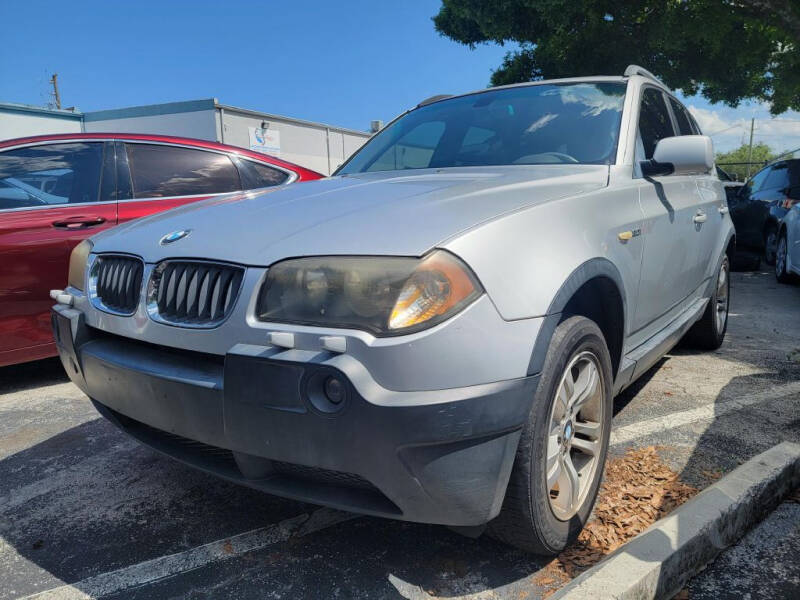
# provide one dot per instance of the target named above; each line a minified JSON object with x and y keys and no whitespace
{"x":727,"y":50}
{"x":762,"y":154}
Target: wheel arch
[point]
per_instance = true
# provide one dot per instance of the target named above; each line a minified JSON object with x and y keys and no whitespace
{"x":595,"y":279}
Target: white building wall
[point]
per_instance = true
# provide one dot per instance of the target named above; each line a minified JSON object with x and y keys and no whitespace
{"x":198,"y":124}
{"x":14,"y":124}
{"x":310,"y":145}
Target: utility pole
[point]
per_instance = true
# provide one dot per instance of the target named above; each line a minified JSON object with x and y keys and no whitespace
{"x":750,"y":150}
{"x":54,"y":81}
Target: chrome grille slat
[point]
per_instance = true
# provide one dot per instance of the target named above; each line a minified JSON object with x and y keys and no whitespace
{"x":117,"y":282}
{"x":193,"y":293}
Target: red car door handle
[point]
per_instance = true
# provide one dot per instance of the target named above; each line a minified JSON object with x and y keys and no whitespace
{"x":79,"y":222}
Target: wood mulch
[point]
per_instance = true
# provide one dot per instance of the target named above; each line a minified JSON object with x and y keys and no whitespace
{"x":637,"y":490}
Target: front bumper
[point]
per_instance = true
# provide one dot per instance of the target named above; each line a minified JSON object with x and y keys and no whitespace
{"x":257,"y":416}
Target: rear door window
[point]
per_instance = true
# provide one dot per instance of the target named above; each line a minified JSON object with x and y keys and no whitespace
{"x":166,"y":171}
{"x":50,"y":175}
{"x":654,"y":121}
{"x":257,"y":175}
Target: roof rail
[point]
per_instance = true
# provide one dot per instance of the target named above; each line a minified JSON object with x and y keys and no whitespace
{"x":637,"y":70}
{"x":433,"y":99}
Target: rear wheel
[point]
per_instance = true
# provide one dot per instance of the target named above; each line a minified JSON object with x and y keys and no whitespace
{"x":562,"y":450}
{"x":709,"y":332}
{"x":770,"y":245}
{"x":781,"y":272}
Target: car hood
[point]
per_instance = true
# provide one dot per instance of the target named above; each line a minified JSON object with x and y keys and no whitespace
{"x":389,"y":213}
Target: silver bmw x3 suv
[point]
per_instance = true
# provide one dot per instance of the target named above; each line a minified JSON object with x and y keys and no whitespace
{"x":436,"y":332}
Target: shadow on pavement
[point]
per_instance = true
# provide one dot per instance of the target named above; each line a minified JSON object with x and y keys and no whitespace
{"x":90,"y":500}
{"x":26,"y":376}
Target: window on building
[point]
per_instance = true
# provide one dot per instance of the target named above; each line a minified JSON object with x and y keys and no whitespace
{"x":50,"y":174}
{"x":162,"y":171}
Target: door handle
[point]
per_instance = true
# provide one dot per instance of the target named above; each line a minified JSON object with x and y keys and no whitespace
{"x":79,"y":222}
{"x":700,"y":217}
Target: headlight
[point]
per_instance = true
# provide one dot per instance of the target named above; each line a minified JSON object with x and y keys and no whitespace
{"x":384,"y":295}
{"x":77,"y":263}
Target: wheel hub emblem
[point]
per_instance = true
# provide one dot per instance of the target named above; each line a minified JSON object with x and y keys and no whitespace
{"x":568,"y":432}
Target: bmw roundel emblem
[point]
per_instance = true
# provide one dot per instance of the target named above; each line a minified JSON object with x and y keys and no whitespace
{"x":174,"y":236}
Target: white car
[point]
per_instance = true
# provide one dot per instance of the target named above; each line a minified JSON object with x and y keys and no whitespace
{"x":787,"y":258}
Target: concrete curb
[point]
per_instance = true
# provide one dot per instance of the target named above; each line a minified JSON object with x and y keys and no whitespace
{"x":660,"y":560}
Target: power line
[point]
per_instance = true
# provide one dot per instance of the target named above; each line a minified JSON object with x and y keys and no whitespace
{"x":726,"y":129}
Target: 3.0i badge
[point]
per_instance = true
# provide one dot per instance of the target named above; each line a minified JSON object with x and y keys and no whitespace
{"x":174,"y":236}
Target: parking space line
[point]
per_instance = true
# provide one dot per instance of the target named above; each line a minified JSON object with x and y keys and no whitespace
{"x":156,"y":569}
{"x":160,"y":568}
{"x":706,"y":412}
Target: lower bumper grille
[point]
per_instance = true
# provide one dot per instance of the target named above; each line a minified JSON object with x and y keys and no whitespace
{"x":223,"y":458}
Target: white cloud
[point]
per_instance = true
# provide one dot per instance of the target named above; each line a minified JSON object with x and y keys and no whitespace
{"x":730,"y":128}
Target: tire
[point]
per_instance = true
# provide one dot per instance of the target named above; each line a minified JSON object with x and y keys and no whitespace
{"x":770,"y":245}
{"x":781,"y":256}
{"x":709,"y":332}
{"x":528,"y":518}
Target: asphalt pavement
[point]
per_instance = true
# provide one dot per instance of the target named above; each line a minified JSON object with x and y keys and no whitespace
{"x":85,"y":511}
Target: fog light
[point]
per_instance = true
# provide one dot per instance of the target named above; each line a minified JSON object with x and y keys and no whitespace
{"x":334,"y":389}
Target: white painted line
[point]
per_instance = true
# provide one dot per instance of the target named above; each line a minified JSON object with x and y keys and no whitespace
{"x":706,"y":412}
{"x":151,"y":571}
{"x":160,"y":568}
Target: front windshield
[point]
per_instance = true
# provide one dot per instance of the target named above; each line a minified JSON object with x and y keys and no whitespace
{"x":530,"y":125}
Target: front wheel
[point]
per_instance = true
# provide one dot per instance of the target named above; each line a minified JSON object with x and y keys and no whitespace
{"x":563,"y":446}
{"x":781,"y":261}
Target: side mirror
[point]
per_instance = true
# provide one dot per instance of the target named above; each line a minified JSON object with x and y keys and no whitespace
{"x":681,"y":155}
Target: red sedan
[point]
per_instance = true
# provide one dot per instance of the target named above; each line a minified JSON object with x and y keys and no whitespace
{"x":57,"y":190}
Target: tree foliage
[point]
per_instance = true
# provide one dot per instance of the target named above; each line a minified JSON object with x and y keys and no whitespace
{"x":762,"y":154}
{"x":727,"y":50}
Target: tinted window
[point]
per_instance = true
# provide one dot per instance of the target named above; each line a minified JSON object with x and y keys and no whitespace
{"x":538,"y":124}
{"x":778,"y":177}
{"x":161,"y":171}
{"x":794,"y":173}
{"x":256,"y":175}
{"x":756,"y":182}
{"x":654,"y":121}
{"x":695,"y":127}
{"x":684,"y":125}
{"x":50,"y":174}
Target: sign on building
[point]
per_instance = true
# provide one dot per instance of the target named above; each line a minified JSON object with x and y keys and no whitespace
{"x":266,"y":141}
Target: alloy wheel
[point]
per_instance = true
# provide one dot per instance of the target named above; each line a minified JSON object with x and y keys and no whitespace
{"x":575,"y":432}
{"x":780,"y":258}
{"x":723,"y":288}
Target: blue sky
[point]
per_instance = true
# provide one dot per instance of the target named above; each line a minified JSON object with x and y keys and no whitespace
{"x":343,"y":63}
